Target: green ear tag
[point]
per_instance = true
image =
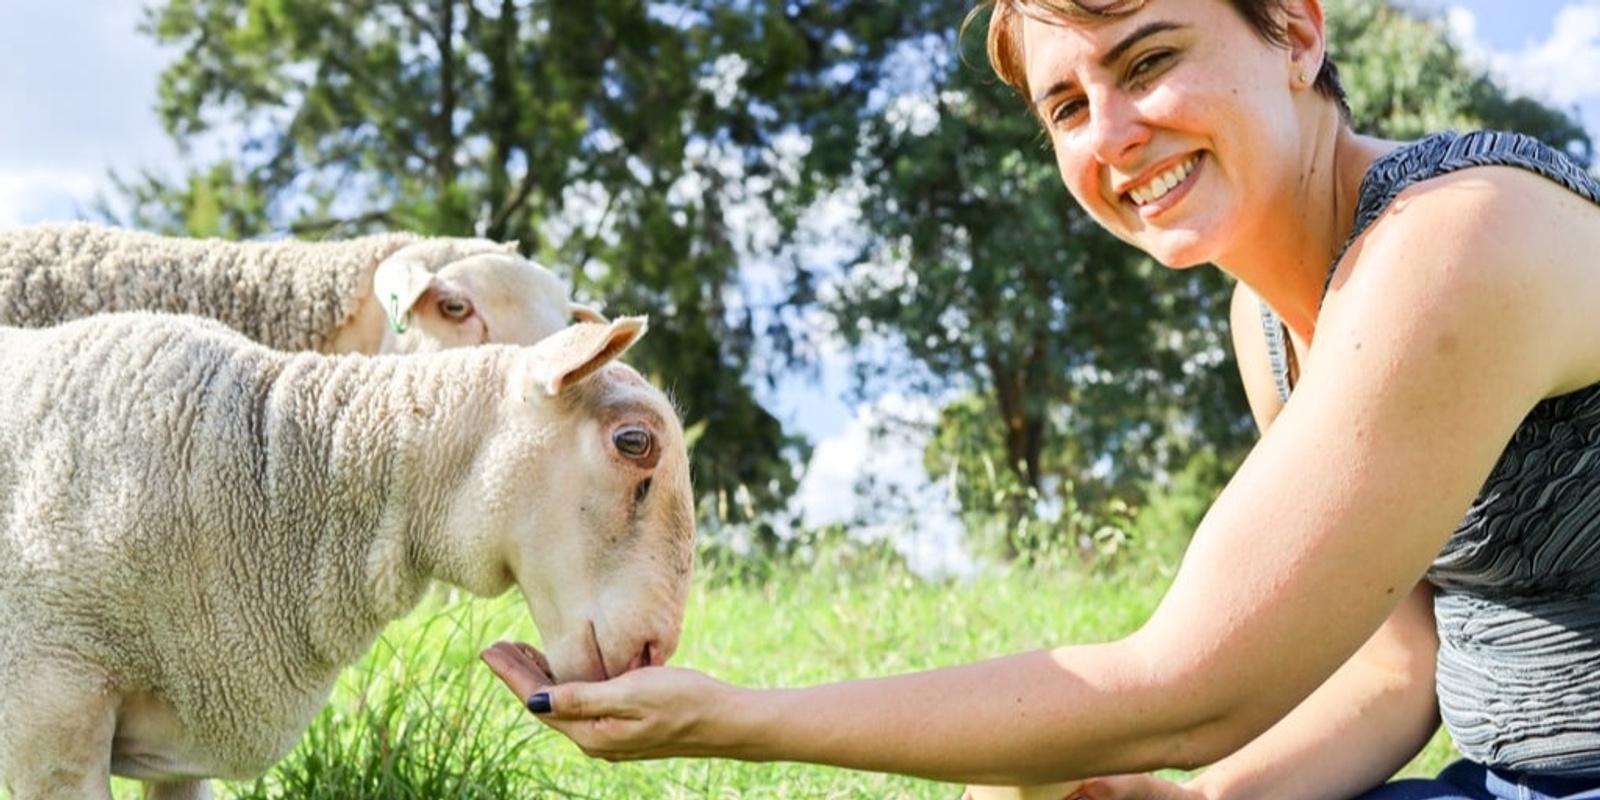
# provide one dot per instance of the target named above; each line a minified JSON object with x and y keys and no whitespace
{"x":398,"y":321}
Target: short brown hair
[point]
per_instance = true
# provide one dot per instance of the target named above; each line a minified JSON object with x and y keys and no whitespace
{"x":1005,"y":41}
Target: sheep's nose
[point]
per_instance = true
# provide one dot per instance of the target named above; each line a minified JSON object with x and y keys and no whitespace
{"x":654,"y":652}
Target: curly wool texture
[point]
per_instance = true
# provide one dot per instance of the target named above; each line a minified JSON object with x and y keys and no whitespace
{"x":190,"y":516}
{"x":248,"y":430}
{"x":288,"y":294}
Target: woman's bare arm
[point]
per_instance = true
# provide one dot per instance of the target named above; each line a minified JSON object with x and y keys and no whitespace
{"x":1452,"y":317}
{"x":1367,"y":720}
{"x":1375,"y":714}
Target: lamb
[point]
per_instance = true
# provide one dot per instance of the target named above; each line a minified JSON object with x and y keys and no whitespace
{"x":197,"y":532}
{"x":384,"y":293}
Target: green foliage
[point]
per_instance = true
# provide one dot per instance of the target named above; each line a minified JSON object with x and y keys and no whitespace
{"x":414,"y":723}
{"x":1170,"y":514}
{"x":1008,"y":519}
{"x":756,"y":554}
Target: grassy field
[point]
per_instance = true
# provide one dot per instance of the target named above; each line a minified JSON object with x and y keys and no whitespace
{"x":420,"y":717}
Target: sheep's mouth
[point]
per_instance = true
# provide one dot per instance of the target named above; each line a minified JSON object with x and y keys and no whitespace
{"x":599,"y":654}
{"x":539,"y":659}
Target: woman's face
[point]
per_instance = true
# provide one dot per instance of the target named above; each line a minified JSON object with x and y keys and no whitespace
{"x":1174,"y":126}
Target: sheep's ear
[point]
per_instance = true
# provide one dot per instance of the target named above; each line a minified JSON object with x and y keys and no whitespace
{"x":585,"y":313}
{"x":577,"y":351}
{"x":398,"y":283}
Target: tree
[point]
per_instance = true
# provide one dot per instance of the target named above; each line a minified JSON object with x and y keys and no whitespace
{"x":1086,"y":373}
{"x":1405,"y":78}
{"x":612,"y":139}
{"x":655,"y":151}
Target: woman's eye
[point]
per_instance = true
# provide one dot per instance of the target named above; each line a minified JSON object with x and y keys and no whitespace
{"x":1067,"y":112}
{"x":1148,"y":66}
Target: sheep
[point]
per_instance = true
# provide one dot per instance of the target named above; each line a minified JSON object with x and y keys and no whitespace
{"x":198,"y":533}
{"x":383,"y":293}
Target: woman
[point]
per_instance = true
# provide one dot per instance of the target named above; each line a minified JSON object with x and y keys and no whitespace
{"x":1430,"y":315}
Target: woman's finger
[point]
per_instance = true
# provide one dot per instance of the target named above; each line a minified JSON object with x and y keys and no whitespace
{"x":519,"y":667}
{"x":617,"y":698}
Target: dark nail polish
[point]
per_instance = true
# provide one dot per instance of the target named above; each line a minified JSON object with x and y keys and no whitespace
{"x":539,"y":703}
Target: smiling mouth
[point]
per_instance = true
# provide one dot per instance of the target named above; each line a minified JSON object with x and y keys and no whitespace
{"x":1159,"y":186}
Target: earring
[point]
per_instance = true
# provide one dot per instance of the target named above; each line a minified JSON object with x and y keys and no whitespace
{"x":1305,"y":77}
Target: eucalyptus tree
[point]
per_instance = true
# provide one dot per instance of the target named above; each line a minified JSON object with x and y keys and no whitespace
{"x":632,"y":146}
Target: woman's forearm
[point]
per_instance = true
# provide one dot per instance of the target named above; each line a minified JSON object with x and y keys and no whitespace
{"x":1014,"y":720}
{"x":1367,"y":721}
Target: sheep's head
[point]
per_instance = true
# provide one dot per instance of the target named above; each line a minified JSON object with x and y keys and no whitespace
{"x":598,"y":503}
{"x":441,"y":293}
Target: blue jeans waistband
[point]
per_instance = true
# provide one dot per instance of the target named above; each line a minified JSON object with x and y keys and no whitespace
{"x":1554,"y":786}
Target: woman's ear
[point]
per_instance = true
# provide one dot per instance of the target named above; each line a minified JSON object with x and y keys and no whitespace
{"x":1306,"y":35}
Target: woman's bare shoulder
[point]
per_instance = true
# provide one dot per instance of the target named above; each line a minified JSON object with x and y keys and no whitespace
{"x":1488,"y":247}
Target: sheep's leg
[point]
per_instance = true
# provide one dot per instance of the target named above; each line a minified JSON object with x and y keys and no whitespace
{"x":56,"y":727}
{"x":185,"y":790}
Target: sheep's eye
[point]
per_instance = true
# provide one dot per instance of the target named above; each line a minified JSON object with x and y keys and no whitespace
{"x":634,"y":442}
{"x":455,"y":308}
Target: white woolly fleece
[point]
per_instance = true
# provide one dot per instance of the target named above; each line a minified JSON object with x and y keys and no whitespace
{"x":287,"y":294}
{"x":197,"y":533}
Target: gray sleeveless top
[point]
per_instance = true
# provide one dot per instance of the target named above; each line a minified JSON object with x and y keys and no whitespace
{"x":1518,"y":600}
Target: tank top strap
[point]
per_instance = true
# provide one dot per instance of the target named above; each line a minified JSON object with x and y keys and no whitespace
{"x":1277,"y":351}
{"x":1447,"y":152}
{"x":1427,"y":158}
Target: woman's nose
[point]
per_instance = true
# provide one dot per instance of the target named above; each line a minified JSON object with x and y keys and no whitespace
{"x":1116,"y":128}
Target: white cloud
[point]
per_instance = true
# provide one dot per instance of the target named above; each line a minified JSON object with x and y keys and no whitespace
{"x":40,"y":195}
{"x":77,"y":101}
{"x":1562,"y":68}
{"x":871,"y":478}
{"x":1559,"y":69}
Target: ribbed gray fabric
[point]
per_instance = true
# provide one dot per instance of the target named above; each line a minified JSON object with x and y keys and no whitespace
{"x":1277,"y":351}
{"x":1518,"y":602}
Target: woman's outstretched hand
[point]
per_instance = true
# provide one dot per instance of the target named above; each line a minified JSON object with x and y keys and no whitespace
{"x":653,"y":712}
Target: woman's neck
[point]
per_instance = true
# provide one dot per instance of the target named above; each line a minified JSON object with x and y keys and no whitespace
{"x":1289,"y":255}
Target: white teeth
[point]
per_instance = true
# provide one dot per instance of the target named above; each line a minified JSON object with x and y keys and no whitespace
{"x":1158,"y":186}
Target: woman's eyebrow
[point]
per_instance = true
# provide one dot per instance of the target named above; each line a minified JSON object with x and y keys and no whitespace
{"x":1139,"y":34}
{"x":1115,"y":53}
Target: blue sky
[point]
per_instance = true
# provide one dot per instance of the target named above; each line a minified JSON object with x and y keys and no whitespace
{"x":77,"y":88}
{"x":1509,"y":25}
{"x":1549,"y":49}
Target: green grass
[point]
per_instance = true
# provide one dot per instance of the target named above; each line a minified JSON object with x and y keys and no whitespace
{"x":420,"y":717}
